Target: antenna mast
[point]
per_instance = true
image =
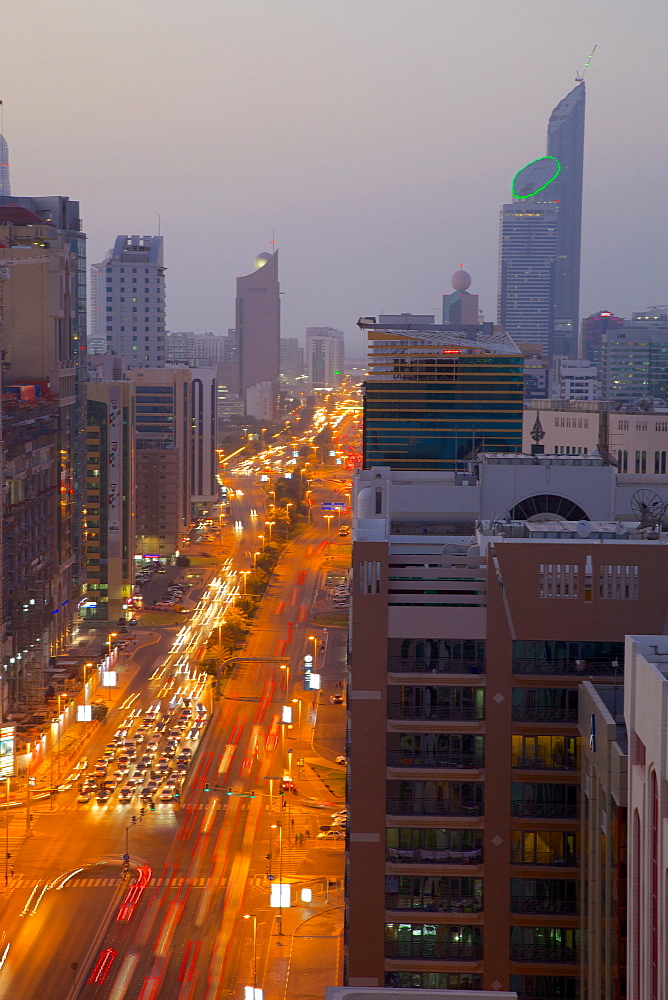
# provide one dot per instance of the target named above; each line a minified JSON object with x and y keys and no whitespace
{"x":579,"y":76}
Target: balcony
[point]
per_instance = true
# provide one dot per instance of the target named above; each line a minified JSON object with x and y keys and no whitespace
{"x":556,"y":859}
{"x":562,"y":907}
{"x":432,"y":807}
{"x":436,"y":759}
{"x":524,"y":714}
{"x":421,"y":665}
{"x":425,"y":856}
{"x":430,"y":904}
{"x":437,"y":713}
{"x":438,"y":951}
{"x":545,"y":810}
{"x":545,"y":762}
{"x":567,"y":668}
{"x":543,"y":955}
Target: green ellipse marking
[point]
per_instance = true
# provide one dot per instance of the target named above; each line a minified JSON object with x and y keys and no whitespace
{"x":523,"y":197}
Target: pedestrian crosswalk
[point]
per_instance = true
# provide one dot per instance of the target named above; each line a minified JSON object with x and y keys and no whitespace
{"x":100,"y":883}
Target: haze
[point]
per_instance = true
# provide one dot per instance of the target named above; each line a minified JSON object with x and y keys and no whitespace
{"x":375,"y":138}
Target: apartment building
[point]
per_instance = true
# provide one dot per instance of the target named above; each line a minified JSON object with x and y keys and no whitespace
{"x":468,"y":647}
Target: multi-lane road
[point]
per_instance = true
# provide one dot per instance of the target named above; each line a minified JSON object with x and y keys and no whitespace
{"x":174,"y":927}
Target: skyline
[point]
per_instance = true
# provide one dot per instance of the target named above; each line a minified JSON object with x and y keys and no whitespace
{"x":378,"y":164}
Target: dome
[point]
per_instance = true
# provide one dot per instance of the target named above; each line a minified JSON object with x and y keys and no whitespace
{"x":461,"y":280}
{"x":261,"y":260}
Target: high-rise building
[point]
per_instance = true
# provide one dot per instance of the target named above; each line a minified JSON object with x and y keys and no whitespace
{"x":436,"y":395}
{"x":573,"y":379}
{"x":258,"y":326}
{"x":5,"y":188}
{"x":325,"y":352}
{"x":460,"y":308}
{"x":467,"y":652}
{"x":634,"y":361}
{"x":527,"y":251}
{"x":110,"y":498}
{"x":539,"y":254}
{"x":592,"y":329}
{"x":128,"y":302}
{"x":292,"y":361}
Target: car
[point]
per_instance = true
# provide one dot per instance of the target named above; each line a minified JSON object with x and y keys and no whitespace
{"x":147,"y":793}
{"x":82,"y":764}
{"x":125,"y":795}
{"x":186,"y":752}
{"x":102,"y":796}
{"x":133,"y":621}
{"x":331,"y":835}
{"x":336,"y":699}
{"x":84,"y":797}
{"x":120,"y":773}
{"x":340,"y":760}
{"x":340,"y":823}
{"x":166,"y":795}
{"x":195,"y":733}
{"x":344,"y":531}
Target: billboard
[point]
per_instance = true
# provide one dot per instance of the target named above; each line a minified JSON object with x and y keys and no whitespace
{"x":6,"y":751}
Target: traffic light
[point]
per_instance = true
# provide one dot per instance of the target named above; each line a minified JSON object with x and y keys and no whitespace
{"x":206,"y":787}
{"x":152,"y":806}
{"x":229,"y":789}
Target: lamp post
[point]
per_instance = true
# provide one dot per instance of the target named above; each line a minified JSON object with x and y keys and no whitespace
{"x":261,"y":537}
{"x":314,"y":640}
{"x":7,"y":834}
{"x":270,"y":525}
{"x":286,"y":667}
{"x":253,"y":917}
{"x":280,"y":877}
{"x":328,"y":518}
{"x":255,"y":555}
{"x":298,"y":702}
{"x":244,"y":573}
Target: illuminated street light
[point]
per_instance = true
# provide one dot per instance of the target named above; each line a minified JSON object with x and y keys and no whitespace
{"x":255,"y":555}
{"x":270,"y":525}
{"x":253,"y":917}
{"x":261,"y":537}
{"x":286,"y":667}
{"x":314,"y":640}
{"x":328,"y":518}
{"x":244,"y":573}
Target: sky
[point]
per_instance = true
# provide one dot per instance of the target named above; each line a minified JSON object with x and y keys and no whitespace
{"x":373,"y":140}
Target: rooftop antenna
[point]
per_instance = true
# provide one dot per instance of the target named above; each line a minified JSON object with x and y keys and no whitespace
{"x":579,"y":76}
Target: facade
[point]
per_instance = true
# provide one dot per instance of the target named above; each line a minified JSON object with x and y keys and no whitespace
{"x":460,"y":308}
{"x":258,"y":326}
{"x":110,"y":498}
{"x":634,"y":361}
{"x":435,"y":395}
{"x":603,"y":833}
{"x":325,"y":355}
{"x":30,"y":515}
{"x":158,"y":512}
{"x":175,"y":412}
{"x":40,"y":345}
{"x":646,"y":714}
{"x":635,"y":440}
{"x":467,"y":652}
{"x":128,"y":301}
{"x":527,"y":252}
{"x":5,"y":187}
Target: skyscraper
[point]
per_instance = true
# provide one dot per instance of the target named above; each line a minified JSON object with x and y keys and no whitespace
{"x":128,"y":298}
{"x":539,"y":252}
{"x":4,"y":168}
{"x":258,"y":326}
{"x":324,"y":356}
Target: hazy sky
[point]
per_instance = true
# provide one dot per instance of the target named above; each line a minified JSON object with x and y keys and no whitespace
{"x":376,"y":138}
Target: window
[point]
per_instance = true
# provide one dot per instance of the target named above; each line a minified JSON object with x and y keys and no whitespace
{"x":369,"y":577}
{"x":558,"y":580}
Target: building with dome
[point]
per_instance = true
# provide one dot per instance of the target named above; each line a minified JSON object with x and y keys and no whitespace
{"x":258,"y":331}
{"x":460,"y":306}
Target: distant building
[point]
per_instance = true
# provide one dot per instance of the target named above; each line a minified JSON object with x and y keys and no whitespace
{"x":460,"y":308}
{"x":258,"y":326}
{"x":5,"y":188}
{"x":536,"y":371}
{"x":592,"y":329}
{"x":260,"y":401}
{"x":436,"y":395}
{"x":292,"y":366}
{"x":110,"y":498}
{"x":128,"y":301}
{"x":325,"y":356}
{"x":634,"y":360}
{"x":574,"y":379}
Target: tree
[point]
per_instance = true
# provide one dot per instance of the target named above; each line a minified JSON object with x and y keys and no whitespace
{"x":182,"y":561}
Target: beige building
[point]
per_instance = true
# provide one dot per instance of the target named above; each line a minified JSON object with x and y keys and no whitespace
{"x":636,"y":440}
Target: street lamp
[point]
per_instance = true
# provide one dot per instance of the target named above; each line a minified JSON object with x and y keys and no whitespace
{"x":314,"y":640}
{"x":270,"y":525}
{"x":279,"y":826}
{"x":244,"y":573}
{"x":298,"y":701}
{"x":261,"y":537}
{"x":286,"y":667}
{"x":328,"y":518}
{"x":253,"y":917}
{"x":255,"y":555}
{"x":7,"y":834}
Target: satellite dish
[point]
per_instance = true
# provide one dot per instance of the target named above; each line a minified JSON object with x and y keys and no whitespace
{"x":648,"y":507}
{"x":583,"y":529}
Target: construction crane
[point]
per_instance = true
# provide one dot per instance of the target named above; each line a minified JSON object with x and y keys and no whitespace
{"x":579,"y":76}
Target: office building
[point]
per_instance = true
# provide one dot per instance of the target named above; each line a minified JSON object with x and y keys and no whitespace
{"x":30,"y":416}
{"x":635,"y":440}
{"x":527,"y":251}
{"x":110,"y":498}
{"x":540,"y":236}
{"x":39,"y":331}
{"x":603,"y":832}
{"x":128,"y":301}
{"x":436,"y":395}
{"x":467,"y":652}
{"x":292,"y":368}
{"x":258,"y":326}
{"x":325,"y":352}
{"x":592,"y":329}
{"x":634,"y":361}
{"x":574,"y":379}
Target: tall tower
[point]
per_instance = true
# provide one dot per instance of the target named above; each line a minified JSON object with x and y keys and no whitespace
{"x":565,"y":142}
{"x":539,"y":252}
{"x":4,"y":168}
{"x":258,"y":326}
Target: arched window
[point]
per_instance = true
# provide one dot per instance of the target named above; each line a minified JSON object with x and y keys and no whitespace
{"x":548,"y":503}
